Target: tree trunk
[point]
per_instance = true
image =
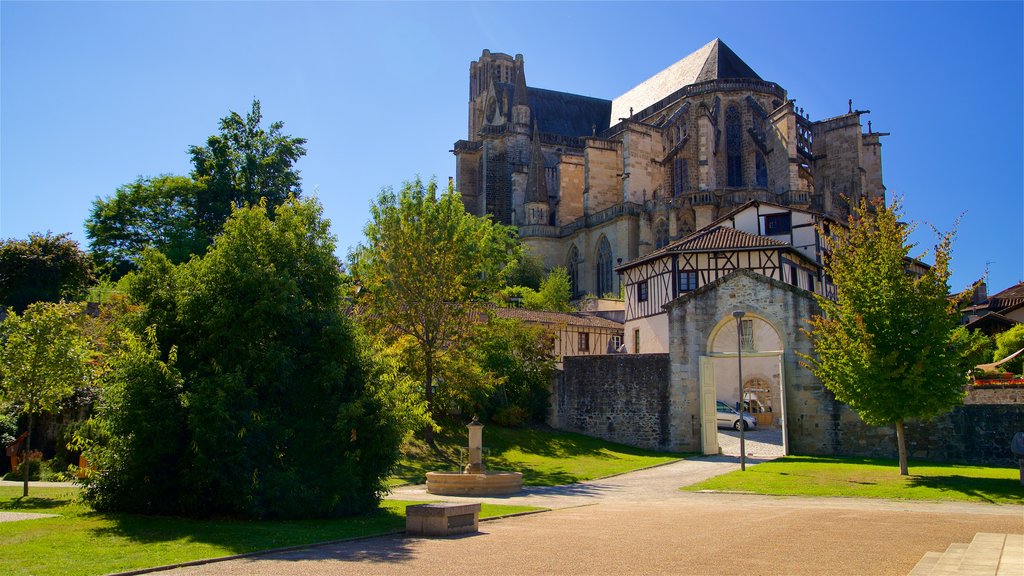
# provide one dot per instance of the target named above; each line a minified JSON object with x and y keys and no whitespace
{"x":428,"y":433}
{"x":901,"y":442}
{"x":28,"y":451}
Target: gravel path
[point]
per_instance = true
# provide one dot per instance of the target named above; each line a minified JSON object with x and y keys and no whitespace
{"x":15,"y":516}
{"x":641,"y":523}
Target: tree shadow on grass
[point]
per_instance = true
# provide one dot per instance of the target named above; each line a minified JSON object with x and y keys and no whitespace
{"x":32,"y":503}
{"x":994,"y":490}
{"x":242,"y":536}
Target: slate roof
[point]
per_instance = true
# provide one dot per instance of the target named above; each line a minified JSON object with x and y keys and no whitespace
{"x":546,"y":317}
{"x":568,"y":114}
{"x":713,"y":238}
{"x":713,"y":61}
{"x":1009,"y":298}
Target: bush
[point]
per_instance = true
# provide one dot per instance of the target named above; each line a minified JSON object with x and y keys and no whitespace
{"x":250,"y":396}
{"x":521,"y":361}
{"x":1007,"y":343}
{"x":39,"y":470}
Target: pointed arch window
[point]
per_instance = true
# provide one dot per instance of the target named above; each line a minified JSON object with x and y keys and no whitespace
{"x":604,"y":267}
{"x":680,"y":176}
{"x":660,"y":234}
{"x":760,"y":170}
{"x":573,"y":267}
{"x":733,"y":147}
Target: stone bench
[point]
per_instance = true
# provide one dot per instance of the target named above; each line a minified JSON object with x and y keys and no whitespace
{"x":442,"y":519}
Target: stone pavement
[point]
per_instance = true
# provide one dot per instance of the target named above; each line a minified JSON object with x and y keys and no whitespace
{"x":640,"y":523}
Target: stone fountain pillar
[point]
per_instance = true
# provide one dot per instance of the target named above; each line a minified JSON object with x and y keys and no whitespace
{"x":473,"y":480}
{"x":476,"y":447}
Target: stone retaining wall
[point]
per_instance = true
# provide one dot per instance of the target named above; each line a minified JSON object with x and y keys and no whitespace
{"x":618,"y":397}
{"x":995,"y":394}
{"x":970,"y":434}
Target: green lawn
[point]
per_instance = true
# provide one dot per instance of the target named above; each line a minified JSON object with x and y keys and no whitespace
{"x":873,"y":478}
{"x":545,"y":457}
{"x":81,"y":541}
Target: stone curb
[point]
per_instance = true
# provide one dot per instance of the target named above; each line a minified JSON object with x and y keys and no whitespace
{"x":293,"y":548}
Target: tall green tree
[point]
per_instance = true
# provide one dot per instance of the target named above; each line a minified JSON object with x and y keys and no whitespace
{"x":268,"y":388}
{"x":154,"y":213}
{"x":179,"y":216}
{"x":427,"y":269}
{"x":884,"y":345}
{"x":43,"y":360}
{"x":241,"y":164}
{"x":43,"y":268}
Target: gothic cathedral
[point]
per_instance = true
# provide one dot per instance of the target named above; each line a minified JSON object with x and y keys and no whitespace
{"x":592,"y":183}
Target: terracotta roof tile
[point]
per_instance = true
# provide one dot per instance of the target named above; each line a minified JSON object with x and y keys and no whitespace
{"x":547,"y":317}
{"x":713,"y":238}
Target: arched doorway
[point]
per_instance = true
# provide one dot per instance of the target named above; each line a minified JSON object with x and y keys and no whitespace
{"x":759,"y":345}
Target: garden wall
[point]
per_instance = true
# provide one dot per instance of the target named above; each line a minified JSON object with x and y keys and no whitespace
{"x":618,"y":397}
{"x":970,"y":434}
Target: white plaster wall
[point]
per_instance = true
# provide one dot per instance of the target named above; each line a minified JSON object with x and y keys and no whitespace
{"x":653,"y":334}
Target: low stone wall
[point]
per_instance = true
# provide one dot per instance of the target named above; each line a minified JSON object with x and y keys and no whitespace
{"x":618,"y":397}
{"x":970,"y":434}
{"x":995,"y":394}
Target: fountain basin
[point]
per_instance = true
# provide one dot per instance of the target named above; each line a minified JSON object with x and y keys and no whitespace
{"x":486,"y":484}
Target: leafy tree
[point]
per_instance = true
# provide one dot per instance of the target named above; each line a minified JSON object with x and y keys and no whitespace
{"x":43,"y":360}
{"x":974,"y":345}
{"x":277,"y":417}
{"x":426,"y":270}
{"x":884,"y":345}
{"x":520,"y":359}
{"x":554,"y":293}
{"x":148,"y":213}
{"x":139,"y":435}
{"x":43,"y":268}
{"x":1007,"y":343}
{"x":526,"y":270}
{"x":241,"y":165}
{"x":179,"y":216}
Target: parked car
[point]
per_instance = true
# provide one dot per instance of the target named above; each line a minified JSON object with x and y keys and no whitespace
{"x":730,"y":418}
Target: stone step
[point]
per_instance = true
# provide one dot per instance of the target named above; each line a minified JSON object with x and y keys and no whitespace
{"x":948,"y":564}
{"x":1011,"y":563}
{"x":982,"y":555}
{"x":924,"y":565}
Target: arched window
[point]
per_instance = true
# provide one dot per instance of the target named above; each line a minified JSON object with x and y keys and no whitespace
{"x":734,"y":147}
{"x":760,"y":170}
{"x":660,"y":234}
{"x":604,"y":267}
{"x":680,"y":176}
{"x":573,"y":267}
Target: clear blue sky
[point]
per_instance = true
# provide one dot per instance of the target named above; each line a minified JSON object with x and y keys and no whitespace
{"x":94,"y":95}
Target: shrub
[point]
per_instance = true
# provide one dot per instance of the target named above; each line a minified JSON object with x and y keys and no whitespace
{"x":250,"y":396}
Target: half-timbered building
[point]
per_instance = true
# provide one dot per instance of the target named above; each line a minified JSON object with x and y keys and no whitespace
{"x":575,"y":333}
{"x":779,"y":242}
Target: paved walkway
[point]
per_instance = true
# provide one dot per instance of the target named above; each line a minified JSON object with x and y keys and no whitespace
{"x":640,"y":523}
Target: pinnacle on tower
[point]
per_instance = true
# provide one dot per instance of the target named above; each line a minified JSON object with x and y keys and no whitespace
{"x":536,"y":184}
{"x":519,"y":98}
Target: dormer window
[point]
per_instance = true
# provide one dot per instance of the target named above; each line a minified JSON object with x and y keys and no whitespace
{"x":778,"y":224}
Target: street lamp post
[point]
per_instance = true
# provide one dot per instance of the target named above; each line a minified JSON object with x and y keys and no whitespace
{"x":738,"y":315}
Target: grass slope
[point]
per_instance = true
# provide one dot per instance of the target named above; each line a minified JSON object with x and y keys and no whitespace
{"x":83,"y":542}
{"x":545,"y":457}
{"x":872,"y":478}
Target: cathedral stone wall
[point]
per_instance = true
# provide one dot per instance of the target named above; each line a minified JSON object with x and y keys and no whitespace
{"x":603,"y":175}
{"x":659,"y":161}
{"x":570,"y":186}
